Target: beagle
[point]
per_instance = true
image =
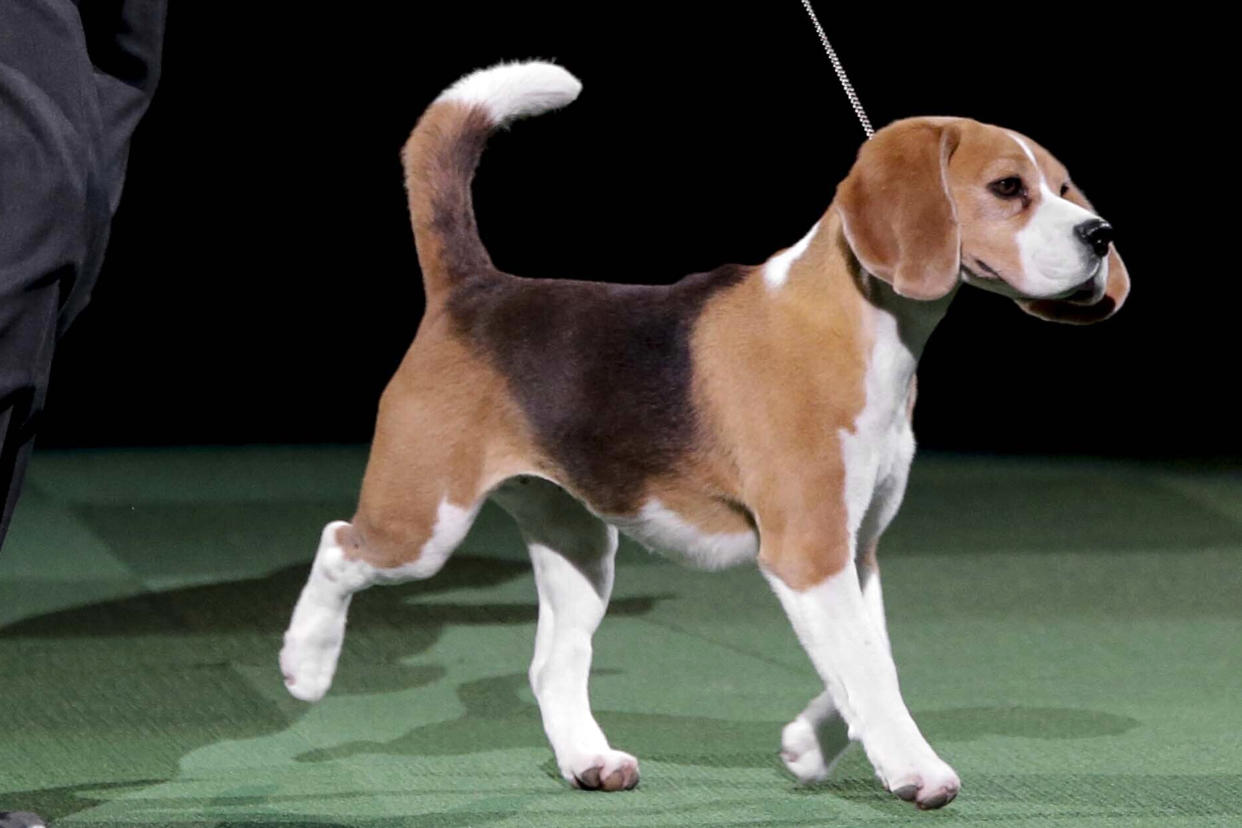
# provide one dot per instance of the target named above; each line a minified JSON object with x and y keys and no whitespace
{"x":748,"y":413}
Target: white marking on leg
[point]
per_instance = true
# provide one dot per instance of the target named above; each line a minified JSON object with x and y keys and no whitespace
{"x":543,"y":638}
{"x":838,"y":627}
{"x":573,"y":597}
{"x":573,"y":553}
{"x":312,"y":643}
{"x":776,"y":269}
{"x":576,"y":601}
{"x":811,"y":745}
{"x":452,"y":524}
{"x":873,"y":602}
{"x":803,"y":741}
{"x":832,"y":622}
{"x":316,"y":631}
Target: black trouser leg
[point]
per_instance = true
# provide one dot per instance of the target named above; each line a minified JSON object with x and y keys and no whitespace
{"x":73,"y":86}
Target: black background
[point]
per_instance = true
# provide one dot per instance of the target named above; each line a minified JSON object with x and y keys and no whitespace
{"x":262,"y":282}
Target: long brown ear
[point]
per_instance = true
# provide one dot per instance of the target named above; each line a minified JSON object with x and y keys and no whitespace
{"x":898,"y":216}
{"x":1115,"y":290}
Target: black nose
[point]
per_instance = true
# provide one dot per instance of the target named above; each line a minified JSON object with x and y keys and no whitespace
{"x":1097,"y":233}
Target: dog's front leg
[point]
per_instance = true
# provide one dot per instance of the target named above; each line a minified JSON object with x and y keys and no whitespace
{"x":814,"y":742}
{"x":836,"y":627}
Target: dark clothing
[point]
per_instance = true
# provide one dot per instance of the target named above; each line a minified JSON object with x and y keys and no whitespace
{"x":75,"y":79}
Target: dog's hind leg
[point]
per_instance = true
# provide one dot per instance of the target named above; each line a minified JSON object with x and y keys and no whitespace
{"x":312,"y":643}
{"x":813,"y":743}
{"x":572,"y":552}
{"x":420,"y":495}
{"x":316,"y":631}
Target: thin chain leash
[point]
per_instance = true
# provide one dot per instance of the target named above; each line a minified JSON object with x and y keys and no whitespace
{"x":836,"y":64}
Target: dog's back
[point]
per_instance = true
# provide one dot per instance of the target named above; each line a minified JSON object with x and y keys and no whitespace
{"x":602,"y":372}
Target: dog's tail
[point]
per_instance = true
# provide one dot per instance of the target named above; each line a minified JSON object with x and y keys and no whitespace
{"x":443,"y":151}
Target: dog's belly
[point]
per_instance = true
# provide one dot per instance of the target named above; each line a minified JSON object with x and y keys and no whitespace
{"x":709,"y":537}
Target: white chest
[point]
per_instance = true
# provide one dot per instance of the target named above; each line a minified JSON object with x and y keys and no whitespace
{"x":880,"y":447}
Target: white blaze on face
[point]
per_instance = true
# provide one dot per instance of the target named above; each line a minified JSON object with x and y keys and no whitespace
{"x":1054,"y":259}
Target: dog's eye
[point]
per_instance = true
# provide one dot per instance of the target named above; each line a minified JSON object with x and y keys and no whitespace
{"x":1010,"y":187}
{"x":1064,"y":189}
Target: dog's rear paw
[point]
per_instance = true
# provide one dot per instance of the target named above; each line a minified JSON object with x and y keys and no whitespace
{"x":308,"y":665}
{"x":933,"y":787}
{"x":312,"y":647}
{"x":317,"y":628}
{"x":801,"y":753}
{"x":614,"y":770}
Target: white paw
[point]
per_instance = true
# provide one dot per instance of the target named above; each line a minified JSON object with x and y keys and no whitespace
{"x":312,"y":647}
{"x":317,"y":628}
{"x":308,"y":664}
{"x":610,"y":770}
{"x":801,"y":753}
{"x":931,"y":785}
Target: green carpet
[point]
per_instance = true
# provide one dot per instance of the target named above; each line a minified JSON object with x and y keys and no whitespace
{"x":1068,"y":634}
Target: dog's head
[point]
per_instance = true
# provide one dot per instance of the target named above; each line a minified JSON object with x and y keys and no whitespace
{"x":932,"y":200}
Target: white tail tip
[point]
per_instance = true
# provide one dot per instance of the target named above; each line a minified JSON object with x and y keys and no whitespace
{"x":516,"y":89}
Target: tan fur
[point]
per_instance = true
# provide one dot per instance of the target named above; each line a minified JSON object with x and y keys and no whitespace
{"x":896,"y":207}
{"x":697,"y":498}
{"x":447,"y":428}
{"x":736,"y":398}
{"x":433,"y":158}
{"x":777,"y":374}
{"x":988,"y":227}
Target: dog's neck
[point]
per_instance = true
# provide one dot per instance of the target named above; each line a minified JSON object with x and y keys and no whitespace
{"x":916,"y":318}
{"x":822,"y":269}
